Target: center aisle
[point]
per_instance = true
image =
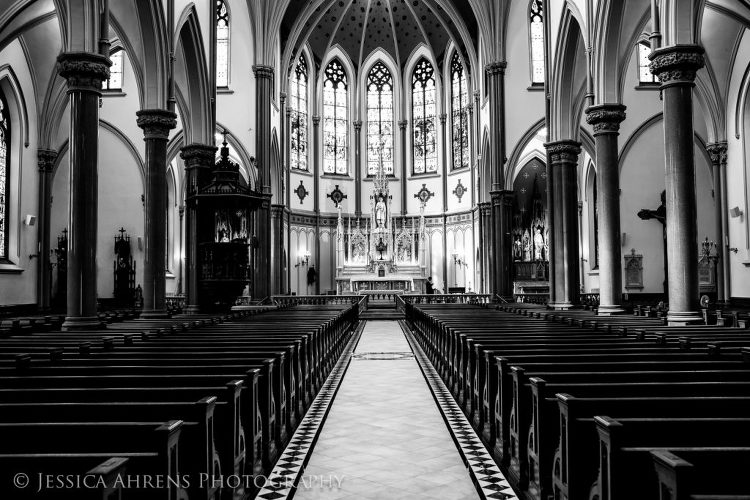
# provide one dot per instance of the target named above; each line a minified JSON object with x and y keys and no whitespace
{"x":384,"y":437}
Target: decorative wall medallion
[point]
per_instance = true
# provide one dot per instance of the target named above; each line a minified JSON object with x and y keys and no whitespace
{"x":424,"y":194}
{"x":460,"y":191}
{"x":301,"y":192}
{"x":633,"y":271}
{"x":337,"y":196}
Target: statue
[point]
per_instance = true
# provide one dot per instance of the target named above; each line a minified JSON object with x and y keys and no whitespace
{"x":538,"y":244}
{"x":380,"y":212}
{"x":526,"y":246}
{"x":517,"y":248}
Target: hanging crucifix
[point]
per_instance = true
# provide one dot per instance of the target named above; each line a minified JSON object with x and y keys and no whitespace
{"x":660,"y":214}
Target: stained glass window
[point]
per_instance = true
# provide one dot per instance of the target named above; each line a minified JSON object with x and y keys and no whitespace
{"x":114,"y":82}
{"x":222,"y":44}
{"x":459,"y":115}
{"x":335,"y":113}
{"x":423,"y":115}
{"x":644,"y":71}
{"x":379,"y":119}
{"x":298,"y":116}
{"x":536,"y":28}
{"x":4,"y":176}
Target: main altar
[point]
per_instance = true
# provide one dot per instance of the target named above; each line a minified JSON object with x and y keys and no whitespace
{"x":380,"y":252}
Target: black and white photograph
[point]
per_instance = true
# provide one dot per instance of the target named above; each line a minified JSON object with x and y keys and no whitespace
{"x":374,"y":249}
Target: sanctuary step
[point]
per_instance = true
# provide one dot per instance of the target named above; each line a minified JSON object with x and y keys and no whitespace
{"x":382,"y":314}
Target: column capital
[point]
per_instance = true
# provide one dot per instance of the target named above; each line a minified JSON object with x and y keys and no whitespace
{"x":84,"y":71}
{"x":357,"y":125}
{"x":496,"y":68}
{"x":605,"y":118}
{"x":484,"y":208}
{"x":198,"y":156}
{"x":282,"y":97}
{"x":470,"y":108}
{"x":402,"y":124}
{"x":262,"y":71}
{"x":677,"y":64}
{"x":718,"y":152}
{"x":477,"y":95}
{"x":316,"y":120}
{"x":156,"y":123}
{"x":566,"y":151}
{"x":443,"y":118}
{"x":46,"y":159}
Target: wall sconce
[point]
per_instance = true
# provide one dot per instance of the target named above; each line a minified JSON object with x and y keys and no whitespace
{"x":735,"y":212}
{"x":733,"y":249}
{"x":303,"y":260}
{"x":458,"y":260}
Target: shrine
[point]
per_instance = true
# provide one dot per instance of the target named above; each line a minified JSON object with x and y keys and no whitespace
{"x":380,"y":253}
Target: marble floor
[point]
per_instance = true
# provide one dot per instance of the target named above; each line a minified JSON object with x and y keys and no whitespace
{"x":384,"y":437}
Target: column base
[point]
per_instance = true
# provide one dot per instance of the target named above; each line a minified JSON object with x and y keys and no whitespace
{"x":561,"y":306}
{"x":684,"y":318}
{"x":73,"y":323}
{"x":609,"y":310}
{"x":191,"y":309}
{"x":154,"y":314}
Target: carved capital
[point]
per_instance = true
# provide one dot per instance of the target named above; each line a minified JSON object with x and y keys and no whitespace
{"x":156,"y":123}
{"x":402,"y":124}
{"x":357,"y":125}
{"x":84,"y":71}
{"x":496,"y":68}
{"x":677,"y":65}
{"x":198,"y":156}
{"x":46,"y":159}
{"x":443,"y":118}
{"x":316,"y":121}
{"x":282,"y":97}
{"x":563,"y":151}
{"x":605,"y":118}
{"x":262,"y":71}
{"x":718,"y":152}
{"x":484,"y":208}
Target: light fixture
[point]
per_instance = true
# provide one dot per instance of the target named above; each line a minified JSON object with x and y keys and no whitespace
{"x":458,"y":260}
{"x":303,"y":260}
{"x":735,"y":212}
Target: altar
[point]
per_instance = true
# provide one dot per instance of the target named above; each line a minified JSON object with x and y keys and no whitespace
{"x":380,"y":252}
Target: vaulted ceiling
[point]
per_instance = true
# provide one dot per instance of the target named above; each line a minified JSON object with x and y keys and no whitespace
{"x":397,"y":26}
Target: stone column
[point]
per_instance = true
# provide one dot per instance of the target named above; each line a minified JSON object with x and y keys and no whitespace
{"x":156,"y":124}
{"x":402,"y":126}
{"x":45,"y":161}
{"x":676,"y":67}
{"x":485,"y":245}
{"x":277,"y":249}
{"x":263,"y":98}
{"x":358,"y":167}
{"x":199,"y":159}
{"x":606,"y":119}
{"x":564,"y":157}
{"x":84,"y":73}
{"x":551,"y":230}
{"x":316,"y":198}
{"x":718,"y":153}
{"x":180,"y":264}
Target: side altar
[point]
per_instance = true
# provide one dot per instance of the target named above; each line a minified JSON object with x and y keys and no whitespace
{"x":379,"y":252}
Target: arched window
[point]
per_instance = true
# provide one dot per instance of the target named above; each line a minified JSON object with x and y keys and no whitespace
{"x":644,"y":71}
{"x":423,"y":114}
{"x":335,"y":113}
{"x":379,"y":119}
{"x":4,"y":176}
{"x":114,"y":82}
{"x":222,"y":44}
{"x":459,"y":118}
{"x":298,"y":116}
{"x":536,"y":42}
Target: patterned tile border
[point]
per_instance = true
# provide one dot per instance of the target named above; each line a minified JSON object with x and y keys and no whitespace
{"x":485,"y":473}
{"x":283,"y":480}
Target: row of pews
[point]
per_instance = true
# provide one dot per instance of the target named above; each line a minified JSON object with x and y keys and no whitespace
{"x":575,"y":406}
{"x":170,"y":409}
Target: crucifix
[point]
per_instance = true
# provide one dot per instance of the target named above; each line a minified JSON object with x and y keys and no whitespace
{"x":660,"y":214}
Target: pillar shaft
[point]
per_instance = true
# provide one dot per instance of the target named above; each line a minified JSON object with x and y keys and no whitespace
{"x":676,"y":67}
{"x":564,"y":158}
{"x":485,"y":247}
{"x":156,"y":124}
{"x":606,"y":120}
{"x":358,"y":168}
{"x":551,"y":231}
{"x":199,"y":159}
{"x":402,"y":127}
{"x":278,"y":265}
{"x":718,"y":153}
{"x":46,"y":160}
{"x":84,"y":73}
{"x":263,"y":98}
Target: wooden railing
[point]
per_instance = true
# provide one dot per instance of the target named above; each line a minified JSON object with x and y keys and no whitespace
{"x":454,"y":298}
{"x":174,"y":302}
{"x":531,"y":298}
{"x":315,"y":299}
{"x":590,"y":299}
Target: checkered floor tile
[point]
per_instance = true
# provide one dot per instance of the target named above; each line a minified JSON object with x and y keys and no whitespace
{"x":485,"y":473}
{"x":285,"y":476}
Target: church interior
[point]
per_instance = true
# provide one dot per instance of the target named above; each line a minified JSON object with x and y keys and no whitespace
{"x":374,"y":249}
